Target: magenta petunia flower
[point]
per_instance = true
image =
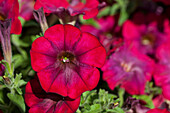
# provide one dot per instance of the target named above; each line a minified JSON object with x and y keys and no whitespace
{"x":162,"y":71}
{"x":67,"y":11}
{"x":128,"y":67}
{"x":105,"y":25}
{"x":41,"y":102}
{"x":105,"y":32}
{"x":9,"y":9}
{"x":146,"y":38}
{"x":26,"y":9}
{"x":157,"y":110}
{"x":66,"y":60}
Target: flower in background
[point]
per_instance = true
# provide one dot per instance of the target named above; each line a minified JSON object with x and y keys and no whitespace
{"x":105,"y":32}
{"x":129,"y":68}
{"x":162,"y":71}
{"x":9,"y":9}
{"x":157,"y":110}
{"x":104,"y":25}
{"x":41,"y":102}
{"x":66,"y":60}
{"x":147,"y":38}
{"x":132,"y":105}
{"x":68,"y":10}
{"x":26,"y":9}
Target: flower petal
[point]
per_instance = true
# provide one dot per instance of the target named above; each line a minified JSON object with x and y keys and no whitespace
{"x":72,"y":36}
{"x":55,"y":35}
{"x":40,"y":61}
{"x":86,"y":43}
{"x":16,"y":26}
{"x":95,"y":57}
{"x":42,"y":45}
{"x":69,"y":82}
{"x":40,"y":101}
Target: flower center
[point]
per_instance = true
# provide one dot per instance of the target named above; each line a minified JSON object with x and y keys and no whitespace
{"x":148,"y":39}
{"x":66,"y":57}
{"x":126,"y":67}
{"x":2,"y":17}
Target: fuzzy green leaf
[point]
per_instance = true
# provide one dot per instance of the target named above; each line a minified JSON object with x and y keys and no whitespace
{"x":114,"y":9}
{"x":18,"y":100}
{"x":147,"y":99}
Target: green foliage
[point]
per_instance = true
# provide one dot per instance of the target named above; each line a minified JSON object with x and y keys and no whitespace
{"x":1,"y":97}
{"x":146,"y":98}
{"x":121,"y":94}
{"x":104,"y":12}
{"x":13,"y":84}
{"x":89,"y":22}
{"x":18,"y":100}
{"x":93,"y":102}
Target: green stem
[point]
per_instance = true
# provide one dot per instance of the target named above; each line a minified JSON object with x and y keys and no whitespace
{"x":10,"y":107}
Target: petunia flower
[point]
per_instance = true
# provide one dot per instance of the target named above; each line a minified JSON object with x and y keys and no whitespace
{"x":41,"y":102}
{"x":146,"y":38}
{"x":162,"y":71}
{"x":105,"y":25}
{"x":129,"y":68}
{"x":26,"y":9}
{"x":105,"y":32}
{"x":9,"y":9}
{"x":66,"y":60}
{"x":68,"y":10}
{"x":157,"y":110}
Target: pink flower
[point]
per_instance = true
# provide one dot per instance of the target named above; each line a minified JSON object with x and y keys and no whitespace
{"x":128,"y":67}
{"x":9,"y":9}
{"x":66,"y":60}
{"x":156,"y":110}
{"x":41,"y":102}
{"x":105,"y":25}
{"x":105,"y":32}
{"x":26,"y":9}
{"x":67,"y":11}
{"x":146,"y":38}
{"x":162,"y":71}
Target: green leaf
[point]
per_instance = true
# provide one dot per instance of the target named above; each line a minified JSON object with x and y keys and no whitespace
{"x":18,"y":100}
{"x":18,"y":60}
{"x":90,"y":21}
{"x":21,"y":83}
{"x":2,"y":97}
{"x":147,"y":99}
{"x":17,"y":78}
{"x":123,"y":16}
{"x":18,"y":42}
{"x":104,"y":12}
{"x":18,"y":90}
{"x":114,"y":9}
{"x":31,"y":24}
{"x":21,"y":20}
{"x":96,"y":108}
{"x":115,"y":110}
{"x":121,"y":94}
{"x":1,"y":79}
